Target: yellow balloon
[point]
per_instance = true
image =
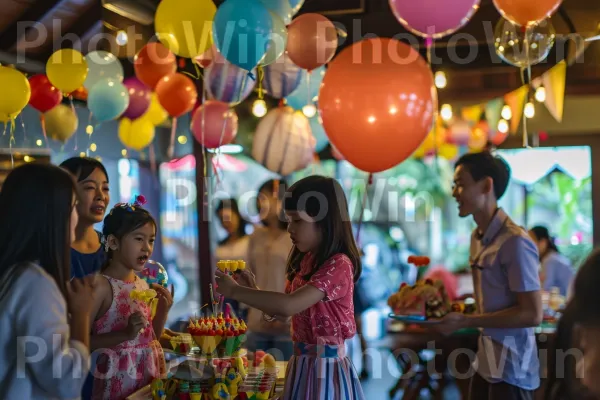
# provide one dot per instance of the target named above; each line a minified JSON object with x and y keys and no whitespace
{"x":448,"y":151}
{"x":137,"y":134}
{"x":61,"y":123}
{"x":17,"y":92}
{"x":156,"y":113}
{"x":67,"y":70}
{"x":185,"y":26}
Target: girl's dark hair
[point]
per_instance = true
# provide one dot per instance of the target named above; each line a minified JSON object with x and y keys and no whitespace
{"x":82,"y":167}
{"x":124,"y":219}
{"x":232,"y":205}
{"x":36,"y":203}
{"x":324,"y":200}
{"x":581,"y":310}
{"x":542,"y":233}
{"x":276,"y":187}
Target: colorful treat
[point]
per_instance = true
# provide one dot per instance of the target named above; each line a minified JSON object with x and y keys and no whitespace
{"x":425,"y":299}
{"x":419,"y":261}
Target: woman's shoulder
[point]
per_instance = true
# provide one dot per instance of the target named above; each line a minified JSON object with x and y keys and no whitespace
{"x":33,"y":278}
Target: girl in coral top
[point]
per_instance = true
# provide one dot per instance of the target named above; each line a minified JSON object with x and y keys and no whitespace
{"x":321,"y":270}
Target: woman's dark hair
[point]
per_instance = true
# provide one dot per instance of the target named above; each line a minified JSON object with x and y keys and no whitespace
{"x":36,"y":203}
{"x":82,"y":167}
{"x":324,"y":200}
{"x":124,"y":219}
{"x":231,"y":204}
{"x":581,"y":310}
{"x":276,"y":187}
{"x":542,"y":233}
{"x":485,"y":165}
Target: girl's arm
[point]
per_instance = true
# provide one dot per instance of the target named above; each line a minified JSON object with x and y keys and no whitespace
{"x":103,"y":297}
{"x":271,"y":303}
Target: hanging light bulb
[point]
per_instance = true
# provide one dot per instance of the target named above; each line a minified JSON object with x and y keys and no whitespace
{"x":502,"y":126}
{"x":121,"y":38}
{"x":89,"y":129}
{"x":529,"y":110}
{"x":259,"y":108}
{"x":446,"y":112}
{"x":440,"y":80}
{"x":506,"y":112}
{"x":309,"y":110}
{"x":540,"y":94}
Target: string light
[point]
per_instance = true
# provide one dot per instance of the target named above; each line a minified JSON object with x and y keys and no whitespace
{"x":440,"y":80}
{"x":259,"y":108}
{"x":82,"y":154}
{"x":38,"y":142}
{"x":93,"y":147}
{"x":446,"y":112}
{"x":124,"y":152}
{"x":502,"y":126}
{"x":529,"y":110}
{"x":540,"y":94}
{"x":506,"y":112}
{"x":309,"y":110}
{"x":89,"y":129}
{"x":182,"y":139}
{"x":121,"y":38}
{"x":27,"y":159}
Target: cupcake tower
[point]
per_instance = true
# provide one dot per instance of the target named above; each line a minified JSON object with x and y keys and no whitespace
{"x":219,"y":334}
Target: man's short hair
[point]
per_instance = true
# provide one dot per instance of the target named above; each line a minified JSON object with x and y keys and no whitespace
{"x":485,"y":165}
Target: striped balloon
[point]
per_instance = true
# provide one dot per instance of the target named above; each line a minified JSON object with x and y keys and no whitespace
{"x":228,"y":83}
{"x":283,"y":142}
{"x":282,"y":77}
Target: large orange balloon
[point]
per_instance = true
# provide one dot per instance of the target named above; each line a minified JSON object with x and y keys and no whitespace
{"x":377,"y":102}
{"x":526,"y":12}
{"x":153,"y":63}
{"x":177,"y":94}
{"x":312,"y":41}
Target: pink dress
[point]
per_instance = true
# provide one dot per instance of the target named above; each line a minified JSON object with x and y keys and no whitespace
{"x":128,"y":367}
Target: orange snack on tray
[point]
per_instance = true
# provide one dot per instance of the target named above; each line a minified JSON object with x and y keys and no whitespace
{"x":419,"y":261}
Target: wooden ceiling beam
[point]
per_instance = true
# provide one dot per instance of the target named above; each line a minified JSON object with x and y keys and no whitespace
{"x":33,"y":14}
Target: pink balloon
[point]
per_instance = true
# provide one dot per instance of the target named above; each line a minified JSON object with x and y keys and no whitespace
{"x":214,"y":124}
{"x":434,"y":18}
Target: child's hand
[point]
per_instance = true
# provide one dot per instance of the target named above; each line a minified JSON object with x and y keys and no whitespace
{"x":165,"y":298}
{"x":80,"y":293}
{"x":136,"y":323}
{"x":225,"y":284}
{"x":246,"y":278}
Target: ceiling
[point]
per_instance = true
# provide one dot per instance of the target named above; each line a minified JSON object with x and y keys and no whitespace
{"x":31,"y":29}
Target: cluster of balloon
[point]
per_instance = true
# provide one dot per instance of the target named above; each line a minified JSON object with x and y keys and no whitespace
{"x":523,"y":47}
{"x":370,"y":89}
{"x":434,"y":18}
{"x":282,"y":77}
{"x":227,"y":83}
{"x":526,"y":13}
{"x":283,"y":142}
{"x":214,"y":124}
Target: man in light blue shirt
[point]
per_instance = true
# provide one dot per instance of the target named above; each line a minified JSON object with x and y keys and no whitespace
{"x":504,"y":263}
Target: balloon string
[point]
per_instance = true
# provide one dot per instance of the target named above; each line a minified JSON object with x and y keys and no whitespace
{"x":362,"y":207}
{"x":204,"y":147}
{"x":308,"y":91}
{"x":43,"y":123}
{"x":87,"y":152}
{"x":171,"y":150}
{"x":12,"y":141}
{"x":152,"y":154}
{"x":528,"y":82}
{"x":73,"y":109}
{"x":23,"y":126}
{"x":261,"y":75}
{"x":428,"y":47}
{"x":198,"y":74}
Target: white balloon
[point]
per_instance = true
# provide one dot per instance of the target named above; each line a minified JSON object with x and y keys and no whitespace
{"x":283,"y":142}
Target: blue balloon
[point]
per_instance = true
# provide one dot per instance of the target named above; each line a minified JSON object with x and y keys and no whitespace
{"x":318,"y":132}
{"x":296,"y":5}
{"x":108,"y":99}
{"x":241,"y":32}
{"x":301,"y":96}
{"x":282,"y":8}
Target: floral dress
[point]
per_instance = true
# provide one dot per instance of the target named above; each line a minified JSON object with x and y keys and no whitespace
{"x":128,"y":367}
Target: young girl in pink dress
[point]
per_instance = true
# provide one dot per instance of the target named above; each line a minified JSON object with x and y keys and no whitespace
{"x":124,"y":333}
{"x":322,"y":268}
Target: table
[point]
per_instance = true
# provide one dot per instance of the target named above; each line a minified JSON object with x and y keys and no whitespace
{"x":452,"y":358}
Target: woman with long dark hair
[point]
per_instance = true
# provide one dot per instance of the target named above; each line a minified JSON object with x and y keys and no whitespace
{"x":235,"y":244}
{"x":37,"y":210}
{"x":87,"y":252}
{"x":556,"y":269}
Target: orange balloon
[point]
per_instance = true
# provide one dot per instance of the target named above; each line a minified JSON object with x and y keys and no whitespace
{"x":526,"y":12}
{"x":177,"y":94}
{"x":377,"y":102}
{"x":312,"y":41}
{"x":154,"y":62}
